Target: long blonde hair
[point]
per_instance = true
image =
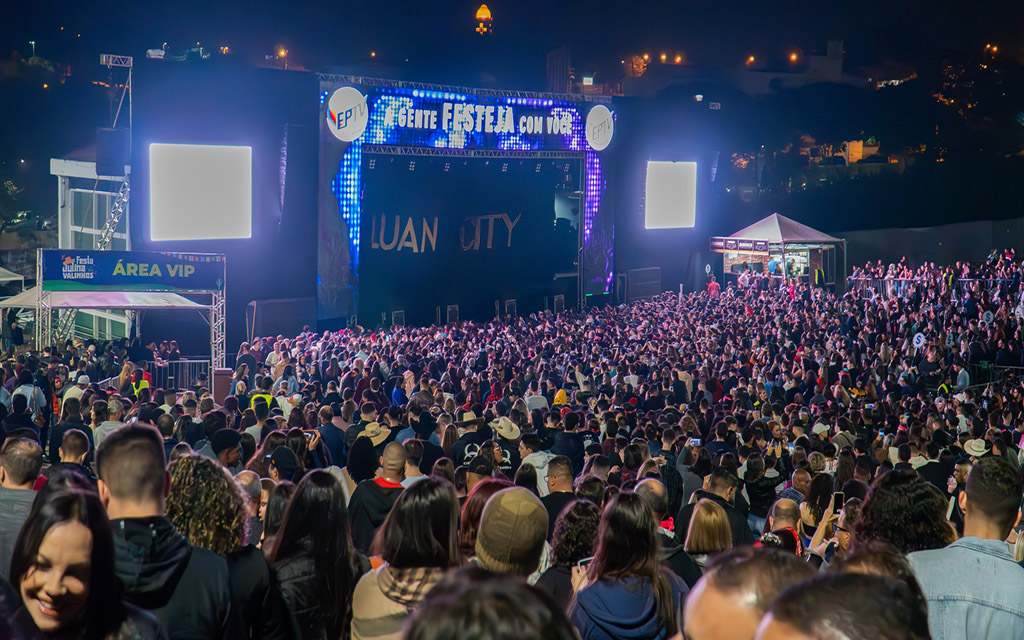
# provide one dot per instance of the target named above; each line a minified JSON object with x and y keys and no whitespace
{"x":709,"y":530}
{"x":126,"y":373}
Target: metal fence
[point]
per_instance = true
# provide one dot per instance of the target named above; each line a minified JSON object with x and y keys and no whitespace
{"x":889,"y":288}
{"x":178,"y":374}
{"x":986,"y":373}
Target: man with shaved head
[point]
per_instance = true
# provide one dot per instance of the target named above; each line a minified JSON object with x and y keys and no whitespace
{"x":801,"y":485}
{"x":372,"y":500}
{"x":673,"y":556}
{"x":738,"y":588}
{"x":784,"y":513}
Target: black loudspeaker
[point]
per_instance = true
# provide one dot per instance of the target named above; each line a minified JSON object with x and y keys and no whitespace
{"x":112,"y":152}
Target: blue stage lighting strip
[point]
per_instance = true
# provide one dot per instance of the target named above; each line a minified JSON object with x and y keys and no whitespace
{"x":346,"y":187}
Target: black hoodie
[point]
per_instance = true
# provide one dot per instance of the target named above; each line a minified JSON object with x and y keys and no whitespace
{"x":369,"y":507}
{"x":185,"y":587}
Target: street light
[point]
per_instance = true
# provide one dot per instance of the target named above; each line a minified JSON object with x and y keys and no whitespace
{"x":793,"y":57}
{"x":33,"y":43}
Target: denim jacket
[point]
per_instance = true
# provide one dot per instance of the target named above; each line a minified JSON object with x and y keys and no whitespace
{"x":975,"y":590}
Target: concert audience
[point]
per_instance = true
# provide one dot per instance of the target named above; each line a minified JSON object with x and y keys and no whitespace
{"x":871,"y":439}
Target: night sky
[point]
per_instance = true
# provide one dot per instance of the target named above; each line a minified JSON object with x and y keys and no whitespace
{"x":45,"y":114}
{"x":438,"y":37}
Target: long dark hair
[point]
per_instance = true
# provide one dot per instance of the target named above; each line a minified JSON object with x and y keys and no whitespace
{"x":845,"y":463}
{"x":627,"y":547}
{"x":103,"y":611}
{"x":260,"y":462}
{"x":362,"y":463}
{"x":316,"y":522}
{"x":526,"y":477}
{"x":277,"y":504}
{"x":819,"y":495}
{"x":422,"y":528}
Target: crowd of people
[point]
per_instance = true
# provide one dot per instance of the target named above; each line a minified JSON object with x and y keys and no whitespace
{"x":1000,"y":269}
{"x":764,"y":462}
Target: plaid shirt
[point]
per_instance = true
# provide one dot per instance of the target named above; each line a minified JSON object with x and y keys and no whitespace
{"x":408,"y":586}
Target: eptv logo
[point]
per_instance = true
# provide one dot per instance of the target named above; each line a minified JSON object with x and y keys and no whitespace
{"x":347,"y":114}
{"x":600,"y":127}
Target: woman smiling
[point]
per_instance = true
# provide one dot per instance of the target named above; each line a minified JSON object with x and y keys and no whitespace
{"x":63,"y":571}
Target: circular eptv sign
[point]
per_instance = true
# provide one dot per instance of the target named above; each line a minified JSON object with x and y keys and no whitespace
{"x":600,"y":127}
{"x":347,"y":114}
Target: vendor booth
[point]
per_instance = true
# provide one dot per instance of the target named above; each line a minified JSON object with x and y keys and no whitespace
{"x":780,"y":247}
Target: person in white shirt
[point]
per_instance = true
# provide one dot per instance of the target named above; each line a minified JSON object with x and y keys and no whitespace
{"x":76,"y":391}
{"x":274,"y":356}
{"x":534,"y":399}
{"x":106,"y":418}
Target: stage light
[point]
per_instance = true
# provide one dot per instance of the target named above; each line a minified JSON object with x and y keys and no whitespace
{"x":200,"y":192}
{"x":670,"y":197}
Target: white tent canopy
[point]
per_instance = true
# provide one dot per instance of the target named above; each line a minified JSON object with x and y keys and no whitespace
{"x":138,"y":300}
{"x":7,"y":275}
{"x":778,"y":229}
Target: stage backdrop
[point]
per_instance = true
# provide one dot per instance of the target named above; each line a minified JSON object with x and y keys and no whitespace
{"x":365,"y":121}
{"x":439,"y":231}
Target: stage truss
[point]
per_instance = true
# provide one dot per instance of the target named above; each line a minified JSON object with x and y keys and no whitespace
{"x":487,"y":93}
{"x":216,"y":317}
{"x":497,"y":154}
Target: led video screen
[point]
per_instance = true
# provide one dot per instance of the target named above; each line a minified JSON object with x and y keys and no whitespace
{"x":200,"y":192}
{"x":670,"y":198}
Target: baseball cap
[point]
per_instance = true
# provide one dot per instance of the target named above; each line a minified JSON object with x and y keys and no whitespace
{"x":285,"y":461}
{"x":481,"y":466}
{"x":513,"y":527}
